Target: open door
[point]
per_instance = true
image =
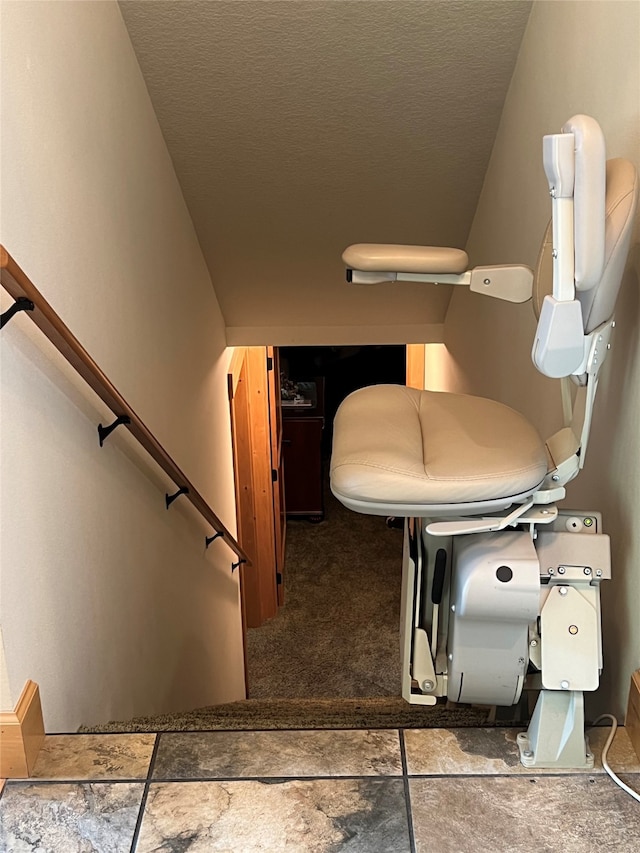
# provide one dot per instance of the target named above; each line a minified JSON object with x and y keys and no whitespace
{"x":277,"y":473}
{"x":245,"y":511}
{"x":254,"y":403}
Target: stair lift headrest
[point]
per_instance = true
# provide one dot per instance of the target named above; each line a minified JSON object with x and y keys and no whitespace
{"x":598,"y":302}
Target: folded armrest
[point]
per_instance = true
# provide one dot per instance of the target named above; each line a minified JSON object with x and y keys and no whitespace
{"x":376,"y":257}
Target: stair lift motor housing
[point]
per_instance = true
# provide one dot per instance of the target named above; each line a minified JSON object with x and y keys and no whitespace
{"x":495,"y":596}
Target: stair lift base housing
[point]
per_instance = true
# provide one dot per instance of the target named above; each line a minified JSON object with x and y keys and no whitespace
{"x":511,"y":612}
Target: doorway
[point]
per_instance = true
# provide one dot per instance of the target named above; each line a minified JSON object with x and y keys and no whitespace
{"x":340,"y":370}
{"x":337,"y":635}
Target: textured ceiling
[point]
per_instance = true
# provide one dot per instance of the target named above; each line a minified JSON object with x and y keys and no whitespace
{"x":298,"y":127}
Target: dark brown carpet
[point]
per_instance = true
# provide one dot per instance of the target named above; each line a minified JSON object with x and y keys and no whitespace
{"x":338,"y":632}
{"x":256,"y":714}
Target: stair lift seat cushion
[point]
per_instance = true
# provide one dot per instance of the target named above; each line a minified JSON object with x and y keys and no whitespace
{"x":401,"y":451}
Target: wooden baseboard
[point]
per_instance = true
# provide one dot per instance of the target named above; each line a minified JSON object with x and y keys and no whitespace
{"x":632,"y":721}
{"x":21,"y":734}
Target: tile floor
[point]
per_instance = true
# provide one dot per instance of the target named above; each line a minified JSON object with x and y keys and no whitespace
{"x":411,"y":791}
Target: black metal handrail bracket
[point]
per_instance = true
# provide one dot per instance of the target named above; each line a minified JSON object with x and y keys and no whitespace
{"x":21,"y":304}
{"x":169,"y":499}
{"x":28,"y":298}
{"x":105,"y":432}
{"x":209,"y":539}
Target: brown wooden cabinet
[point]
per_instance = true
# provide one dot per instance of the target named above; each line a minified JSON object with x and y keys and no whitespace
{"x":302,"y":428}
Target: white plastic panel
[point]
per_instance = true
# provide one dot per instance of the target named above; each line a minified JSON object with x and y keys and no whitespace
{"x":589,"y":199}
{"x":559,"y":163}
{"x":569,"y":631}
{"x":411,"y":571}
{"x":559,"y":166}
{"x":510,"y":282}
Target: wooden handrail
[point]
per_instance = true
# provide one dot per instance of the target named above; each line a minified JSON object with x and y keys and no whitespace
{"x":18,"y":285}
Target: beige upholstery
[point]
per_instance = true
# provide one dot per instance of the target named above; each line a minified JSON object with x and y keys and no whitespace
{"x":399,"y":445}
{"x":383,"y":257}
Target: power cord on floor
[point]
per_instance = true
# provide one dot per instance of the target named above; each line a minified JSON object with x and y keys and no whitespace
{"x":605,"y":751}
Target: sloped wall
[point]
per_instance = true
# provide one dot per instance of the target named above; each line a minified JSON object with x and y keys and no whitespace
{"x":109,"y":602}
{"x":576,"y":57}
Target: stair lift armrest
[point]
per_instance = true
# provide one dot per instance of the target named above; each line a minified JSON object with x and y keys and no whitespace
{"x":559,"y":345}
{"x":371,"y":263}
{"x":574,"y":163}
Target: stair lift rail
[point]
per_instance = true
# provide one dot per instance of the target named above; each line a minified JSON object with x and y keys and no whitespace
{"x":29,"y":299}
{"x":501,"y":587}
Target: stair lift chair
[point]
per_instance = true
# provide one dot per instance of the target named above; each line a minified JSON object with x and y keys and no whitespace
{"x":500,"y":588}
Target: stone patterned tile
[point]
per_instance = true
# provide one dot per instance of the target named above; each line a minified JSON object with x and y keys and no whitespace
{"x":201,"y":755}
{"x":302,"y":816}
{"x":94,"y":757}
{"x":572,"y":814}
{"x":64,"y":818}
{"x":489,"y":751}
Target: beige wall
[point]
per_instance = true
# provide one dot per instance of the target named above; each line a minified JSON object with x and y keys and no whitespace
{"x":109,"y":602}
{"x":576,"y":57}
{"x":6,"y":697}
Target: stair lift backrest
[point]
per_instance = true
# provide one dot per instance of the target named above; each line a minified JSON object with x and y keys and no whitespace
{"x":568,"y":447}
{"x":598,"y":302}
{"x":583,"y":296}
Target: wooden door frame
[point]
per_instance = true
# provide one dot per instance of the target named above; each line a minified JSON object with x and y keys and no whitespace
{"x":245,"y":513}
{"x":251,"y":407}
{"x":415,"y":366}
